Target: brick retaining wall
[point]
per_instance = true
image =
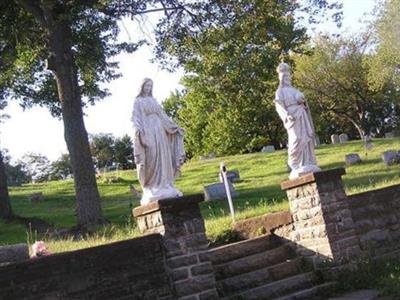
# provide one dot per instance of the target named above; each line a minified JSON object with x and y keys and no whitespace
{"x":131,"y":269}
{"x":376,"y":215}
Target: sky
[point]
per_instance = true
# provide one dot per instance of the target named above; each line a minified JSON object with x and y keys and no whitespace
{"x":35,"y":130}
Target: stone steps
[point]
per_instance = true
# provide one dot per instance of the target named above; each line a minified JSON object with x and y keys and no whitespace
{"x":259,"y":277}
{"x":245,"y":248}
{"x":254,"y":262}
{"x":313,"y":293}
{"x":274,"y":290}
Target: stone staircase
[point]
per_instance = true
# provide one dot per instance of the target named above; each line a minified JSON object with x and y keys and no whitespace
{"x":267,"y":268}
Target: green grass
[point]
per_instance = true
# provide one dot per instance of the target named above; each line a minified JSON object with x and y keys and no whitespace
{"x":383,"y":275}
{"x":259,"y":191}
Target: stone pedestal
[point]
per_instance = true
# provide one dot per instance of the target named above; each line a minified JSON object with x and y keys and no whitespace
{"x":323,"y":223}
{"x":180,"y":223}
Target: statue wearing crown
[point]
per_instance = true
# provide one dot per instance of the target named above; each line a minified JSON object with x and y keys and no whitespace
{"x":293,"y":110}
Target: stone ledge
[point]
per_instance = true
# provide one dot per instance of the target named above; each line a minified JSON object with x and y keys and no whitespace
{"x":313,"y":177}
{"x":169,"y":204}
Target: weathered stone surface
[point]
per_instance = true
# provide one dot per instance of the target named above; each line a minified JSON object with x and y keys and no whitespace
{"x":268,"y":149}
{"x":255,"y":261}
{"x":232,"y":175}
{"x":217,"y":191}
{"x":36,"y":197}
{"x":240,"y":249}
{"x":132,"y":268}
{"x":179,"y":274}
{"x":343,"y":138}
{"x":322,"y":217}
{"x":335,"y":139}
{"x":253,"y":227}
{"x":389,"y":135}
{"x":209,"y":295}
{"x":202,"y":269}
{"x":358,"y":295}
{"x":352,"y":159}
{"x":195,"y":285}
{"x":185,"y":243}
{"x":14,"y":253}
{"x":391,"y":157}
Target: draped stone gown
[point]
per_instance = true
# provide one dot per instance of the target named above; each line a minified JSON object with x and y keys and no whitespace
{"x":290,"y":105}
{"x":158,"y":149}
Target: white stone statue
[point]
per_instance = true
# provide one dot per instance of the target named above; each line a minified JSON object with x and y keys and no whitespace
{"x":292,"y":109}
{"x":158,"y":147}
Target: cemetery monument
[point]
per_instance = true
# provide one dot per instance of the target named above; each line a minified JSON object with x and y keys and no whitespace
{"x":292,"y":109}
{"x":158,"y":144}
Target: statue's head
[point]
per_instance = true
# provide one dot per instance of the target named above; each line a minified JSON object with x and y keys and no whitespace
{"x":283,"y":71}
{"x":146,"y":88}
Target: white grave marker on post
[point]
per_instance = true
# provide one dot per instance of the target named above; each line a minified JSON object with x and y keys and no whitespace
{"x":227,"y":189}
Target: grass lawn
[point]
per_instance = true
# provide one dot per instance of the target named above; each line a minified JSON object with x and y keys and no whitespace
{"x":259,"y":192}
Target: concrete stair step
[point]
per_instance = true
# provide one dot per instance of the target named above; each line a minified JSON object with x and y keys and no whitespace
{"x":277,"y":288}
{"x":254,"y":262}
{"x":240,"y":249}
{"x":314,"y":293}
{"x":259,"y":277}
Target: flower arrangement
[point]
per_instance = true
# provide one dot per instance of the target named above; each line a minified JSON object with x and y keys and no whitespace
{"x":39,"y":249}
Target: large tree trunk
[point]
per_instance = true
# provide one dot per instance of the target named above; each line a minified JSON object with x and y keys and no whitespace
{"x":5,"y":206}
{"x":63,"y":66}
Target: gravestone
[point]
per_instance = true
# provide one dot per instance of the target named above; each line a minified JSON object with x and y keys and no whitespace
{"x":391,"y":157}
{"x":268,"y":149}
{"x":389,"y":135}
{"x":13,"y":253}
{"x":202,"y":157}
{"x":335,"y":139}
{"x":317,"y":142}
{"x":352,"y":159}
{"x":217,"y":191}
{"x":36,"y":197}
{"x":211,"y":155}
{"x":343,"y":138}
{"x":232,"y":176}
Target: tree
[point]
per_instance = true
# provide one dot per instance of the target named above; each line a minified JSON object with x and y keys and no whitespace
{"x":16,"y":174}
{"x":335,"y":80}
{"x":386,"y":63}
{"x":36,"y":166}
{"x":5,"y":205}
{"x":61,"y":168}
{"x":102,"y":149}
{"x":55,"y":54}
{"x":123,"y":152}
{"x":173,"y":104}
{"x":231,"y":58}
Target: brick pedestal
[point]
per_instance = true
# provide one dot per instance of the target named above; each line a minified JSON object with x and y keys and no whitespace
{"x":323,"y":223}
{"x":180,"y":223}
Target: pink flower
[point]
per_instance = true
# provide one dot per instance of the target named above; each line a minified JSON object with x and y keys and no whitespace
{"x":39,"y":248}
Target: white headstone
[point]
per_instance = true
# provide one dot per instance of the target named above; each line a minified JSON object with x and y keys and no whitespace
{"x":232,"y":175}
{"x":317,"y":142}
{"x":217,"y":191}
{"x":335,"y":139}
{"x":352,"y":159}
{"x":268,"y":149}
{"x":389,"y":135}
{"x":343,"y":138}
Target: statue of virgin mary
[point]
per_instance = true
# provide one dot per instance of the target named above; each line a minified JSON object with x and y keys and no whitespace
{"x":158,"y":147}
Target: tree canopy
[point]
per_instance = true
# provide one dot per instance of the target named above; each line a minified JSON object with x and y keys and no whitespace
{"x":230,"y":59}
{"x":386,"y":63}
{"x":57,"y":54}
{"x":335,"y":80}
